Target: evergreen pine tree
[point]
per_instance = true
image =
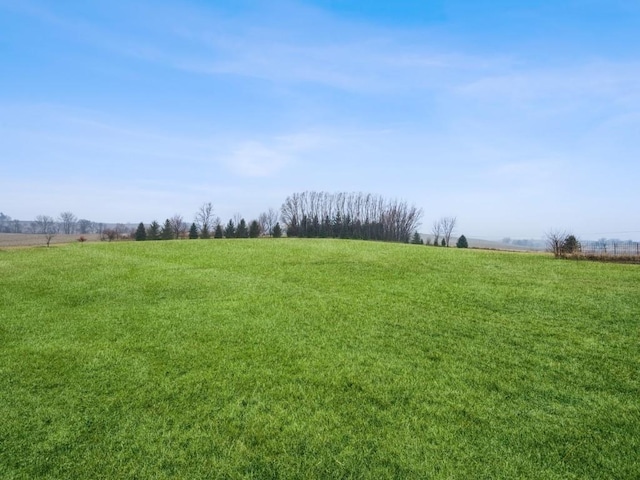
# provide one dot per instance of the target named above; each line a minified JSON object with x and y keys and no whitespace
{"x":218,"y":232}
{"x":141,"y":233}
{"x":242,"y":231}
{"x":417,"y":240}
{"x":167,"y":231}
{"x":277,"y":231}
{"x":315,"y":227}
{"x":462,"y":242}
{"x":230,"y":230}
{"x":254,"y":229}
{"x":205,"y":233}
{"x":193,"y":232}
{"x":337,"y":226}
{"x":153,"y":232}
{"x":570,"y":244}
{"x":443,"y":243}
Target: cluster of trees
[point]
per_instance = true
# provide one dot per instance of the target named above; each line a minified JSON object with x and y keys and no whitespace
{"x":66,"y":223}
{"x":442,"y":230}
{"x":562,"y":243}
{"x":307,"y":214}
{"x":7,"y":225}
{"x":349,"y":215}
{"x":461,"y":243}
{"x":207,"y":225}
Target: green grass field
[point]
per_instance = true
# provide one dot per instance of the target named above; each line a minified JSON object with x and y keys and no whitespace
{"x":315,"y":359}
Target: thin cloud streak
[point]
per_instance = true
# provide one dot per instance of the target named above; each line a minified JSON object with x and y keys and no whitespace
{"x":266,"y":100}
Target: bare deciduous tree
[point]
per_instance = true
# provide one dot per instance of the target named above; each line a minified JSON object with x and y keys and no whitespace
{"x":561,"y":243}
{"x":205,"y":219}
{"x":68,"y":222}
{"x":237,"y":218}
{"x":109,"y":234}
{"x":448,"y":225}
{"x":122,"y":231}
{"x":444,"y":226}
{"x":554,"y":240}
{"x":46,"y":226}
{"x":267,"y":221}
{"x":436,"y":231}
{"x":85,"y":226}
{"x":178,"y":226}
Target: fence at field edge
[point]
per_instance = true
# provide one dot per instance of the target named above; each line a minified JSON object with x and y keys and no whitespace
{"x":610,"y":248}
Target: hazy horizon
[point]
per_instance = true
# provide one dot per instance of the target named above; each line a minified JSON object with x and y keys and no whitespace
{"x":515,"y":117}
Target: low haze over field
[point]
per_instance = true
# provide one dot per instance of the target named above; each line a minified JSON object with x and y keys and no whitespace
{"x":516,"y":117}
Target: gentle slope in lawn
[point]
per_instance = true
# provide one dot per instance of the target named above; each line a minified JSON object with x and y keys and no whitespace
{"x":315,"y":359}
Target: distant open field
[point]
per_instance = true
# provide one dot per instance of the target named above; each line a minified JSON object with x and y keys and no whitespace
{"x":32,"y":239}
{"x":315,"y":359}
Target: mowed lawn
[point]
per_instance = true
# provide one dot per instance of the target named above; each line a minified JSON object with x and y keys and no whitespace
{"x":315,"y":359}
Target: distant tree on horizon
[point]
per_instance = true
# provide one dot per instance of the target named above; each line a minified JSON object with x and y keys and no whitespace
{"x":254,"y":229}
{"x":267,"y":221}
{"x":242,"y":231}
{"x":85,"y":226}
{"x":193,"y":232}
{"x":448,"y":225}
{"x":141,"y":233}
{"x":167,"y":231}
{"x":219,"y":233}
{"x":436,"y":231}
{"x":205,"y":220}
{"x":5,"y":221}
{"x":230,"y":230}
{"x":417,"y":239}
{"x":68,"y":222}
{"x":178,"y":226}
{"x":153,"y":232}
{"x":277,"y":231}
{"x":462,"y":242}
{"x":570,"y":244}
{"x":46,"y":226}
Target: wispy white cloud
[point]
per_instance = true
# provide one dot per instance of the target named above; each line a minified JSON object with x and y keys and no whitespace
{"x":354,"y":58}
{"x":280,"y":97}
{"x":253,"y":158}
{"x":617,"y":82}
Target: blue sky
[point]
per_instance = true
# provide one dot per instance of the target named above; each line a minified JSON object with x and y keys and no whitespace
{"x":517,"y":117}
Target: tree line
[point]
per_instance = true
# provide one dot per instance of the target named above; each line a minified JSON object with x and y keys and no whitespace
{"x":349,"y":215}
{"x":207,"y":225}
{"x":308,"y":214}
{"x":66,"y":223}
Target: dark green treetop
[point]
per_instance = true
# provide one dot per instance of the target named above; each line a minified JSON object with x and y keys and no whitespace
{"x":141,"y":233}
{"x":193,"y":232}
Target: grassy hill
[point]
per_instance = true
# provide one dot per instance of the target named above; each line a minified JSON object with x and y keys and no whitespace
{"x":315,"y":359}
